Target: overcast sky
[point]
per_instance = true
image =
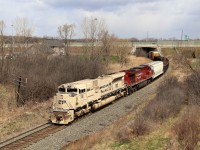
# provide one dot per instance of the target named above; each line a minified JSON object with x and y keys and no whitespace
{"x":124,"y":18}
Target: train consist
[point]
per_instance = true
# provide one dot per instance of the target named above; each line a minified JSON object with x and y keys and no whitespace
{"x":80,"y":97}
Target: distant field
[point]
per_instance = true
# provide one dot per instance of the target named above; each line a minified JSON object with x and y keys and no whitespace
{"x":168,"y":43}
{"x":189,"y":52}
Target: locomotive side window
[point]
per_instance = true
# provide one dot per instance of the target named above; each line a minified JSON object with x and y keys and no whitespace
{"x":81,"y":90}
{"x":71,"y":90}
{"x":61,"y":89}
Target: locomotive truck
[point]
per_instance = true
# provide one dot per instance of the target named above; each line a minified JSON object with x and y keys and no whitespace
{"x":77,"y":98}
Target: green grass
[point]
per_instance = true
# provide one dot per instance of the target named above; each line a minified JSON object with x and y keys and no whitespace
{"x":84,"y":57}
{"x":156,"y":142}
{"x":168,"y":51}
{"x":186,"y":51}
{"x":158,"y":138}
{"x":114,"y":59}
{"x":196,"y":64}
{"x":151,"y":142}
{"x":197,"y":53}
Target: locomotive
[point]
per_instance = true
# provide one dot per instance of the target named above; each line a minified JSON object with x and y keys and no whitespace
{"x":77,"y":98}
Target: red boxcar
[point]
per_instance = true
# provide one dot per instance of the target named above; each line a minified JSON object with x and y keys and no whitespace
{"x":137,"y":75}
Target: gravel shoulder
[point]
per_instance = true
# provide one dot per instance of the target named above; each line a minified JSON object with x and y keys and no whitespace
{"x":95,"y":121}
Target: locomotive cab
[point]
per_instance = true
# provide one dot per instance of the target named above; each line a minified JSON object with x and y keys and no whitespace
{"x":71,"y":98}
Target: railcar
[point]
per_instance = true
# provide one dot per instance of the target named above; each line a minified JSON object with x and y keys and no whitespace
{"x":77,"y":98}
{"x":138,"y":77}
{"x":153,"y":55}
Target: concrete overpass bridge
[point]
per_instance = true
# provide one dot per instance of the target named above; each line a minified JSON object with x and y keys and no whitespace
{"x":145,"y":47}
{"x":157,"y":46}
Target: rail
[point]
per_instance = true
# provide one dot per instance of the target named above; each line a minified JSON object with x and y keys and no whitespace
{"x":25,"y":139}
{"x":22,"y":140}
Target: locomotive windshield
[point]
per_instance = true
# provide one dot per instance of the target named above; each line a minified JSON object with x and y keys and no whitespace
{"x":62,"y":89}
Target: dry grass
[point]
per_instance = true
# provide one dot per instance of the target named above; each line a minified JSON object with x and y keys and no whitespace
{"x":133,"y":61}
{"x":89,"y":141}
{"x":14,"y":120}
{"x":187,"y":129}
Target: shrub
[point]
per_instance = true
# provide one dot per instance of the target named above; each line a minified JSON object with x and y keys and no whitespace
{"x":125,"y":134}
{"x":187,"y":130}
{"x":192,"y":88}
{"x":46,"y":73}
{"x":140,"y":53}
{"x":167,"y":102}
{"x":139,"y":126}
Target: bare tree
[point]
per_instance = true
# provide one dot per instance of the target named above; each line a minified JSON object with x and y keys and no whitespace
{"x":107,"y":45}
{"x":192,"y":81}
{"x":122,"y":51}
{"x":23,"y":32}
{"x":2,"y":42}
{"x":66,"y":32}
{"x":93,"y":30}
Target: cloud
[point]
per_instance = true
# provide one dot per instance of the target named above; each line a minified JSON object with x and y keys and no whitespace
{"x":130,"y":18}
{"x":93,"y":5}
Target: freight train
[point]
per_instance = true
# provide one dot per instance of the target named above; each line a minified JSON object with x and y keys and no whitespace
{"x":78,"y":98}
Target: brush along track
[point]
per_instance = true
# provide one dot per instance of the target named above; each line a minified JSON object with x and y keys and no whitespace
{"x":96,"y":121}
{"x":79,"y":128}
{"x":90,"y":124}
{"x":25,"y":139}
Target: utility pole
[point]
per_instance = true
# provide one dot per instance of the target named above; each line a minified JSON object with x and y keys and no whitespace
{"x":18,"y":84}
{"x":18,"y":91}
{"x":12,"y":41}
{"x":181,"y":42}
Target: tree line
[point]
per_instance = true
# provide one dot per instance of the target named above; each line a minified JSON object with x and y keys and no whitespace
{"x":43,"y":72}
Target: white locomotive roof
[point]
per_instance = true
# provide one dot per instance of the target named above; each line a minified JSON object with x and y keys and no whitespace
{"x":82,"y":84}
{"x":117,"y":75}
{"x":113,"y":76}
{"x":106,"y":79}
{"x":154,"y":63}
{"x":90,"y":83}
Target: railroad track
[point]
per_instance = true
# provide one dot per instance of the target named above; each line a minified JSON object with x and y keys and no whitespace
{"x":32,"y":136}
{"x":25,"y":139}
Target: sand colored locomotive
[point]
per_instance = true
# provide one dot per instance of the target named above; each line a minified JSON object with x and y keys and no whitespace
{"x":77,"y":98}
